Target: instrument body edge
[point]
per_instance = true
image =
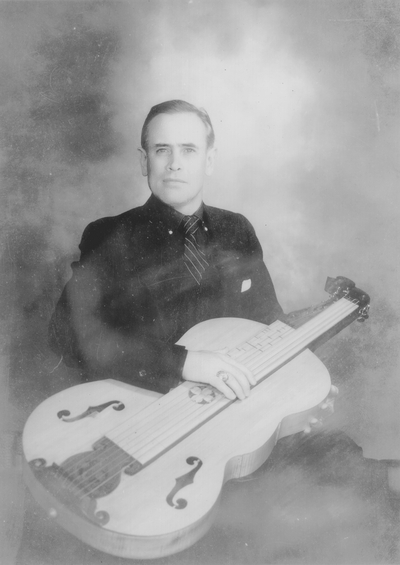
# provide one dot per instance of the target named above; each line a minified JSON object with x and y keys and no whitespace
{"x":233,"y":444}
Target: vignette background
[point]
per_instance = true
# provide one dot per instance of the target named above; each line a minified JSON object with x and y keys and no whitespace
{"x":304,"y":98}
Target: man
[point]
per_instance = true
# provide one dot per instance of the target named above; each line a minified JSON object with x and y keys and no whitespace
{"x":148,"y":275}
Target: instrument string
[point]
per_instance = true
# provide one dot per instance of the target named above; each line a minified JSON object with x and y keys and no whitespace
{"x":301,"y":333}
{"x":299,"y":340}
{"x":305,"y":335}
{"x":187,"y":415}
{"x":171,"y":438}
{"x":164,"y":429}
{"x":159,"y":421}
{"x":180,"y":419}
{"x":154,"y":419}
{"x":152,"y":447}
{"x":167,"y":432}
{"x":167,"y":435}
{"x":135,"y":422}
{"x":148,"y":450}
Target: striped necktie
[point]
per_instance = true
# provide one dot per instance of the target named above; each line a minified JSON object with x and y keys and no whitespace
{"x":194,"y":258}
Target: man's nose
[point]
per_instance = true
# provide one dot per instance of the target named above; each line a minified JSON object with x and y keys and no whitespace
{"x":174,"y":163}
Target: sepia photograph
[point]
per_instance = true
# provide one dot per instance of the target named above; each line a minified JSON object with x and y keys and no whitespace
{"x":200,"y":282}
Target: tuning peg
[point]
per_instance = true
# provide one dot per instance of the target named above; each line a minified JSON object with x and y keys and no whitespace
{"x":364,"y":312}
{"x":312,"y":423}
{"x":329,"y":400}
{"x":334,"y":391}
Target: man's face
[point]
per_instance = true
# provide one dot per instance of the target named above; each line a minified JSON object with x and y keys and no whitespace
{"x":177,"y":160}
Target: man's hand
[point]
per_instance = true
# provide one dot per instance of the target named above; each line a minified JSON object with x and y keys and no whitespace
{"x":217,"y":369}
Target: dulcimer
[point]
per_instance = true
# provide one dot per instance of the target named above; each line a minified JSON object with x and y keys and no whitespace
{"x":138,"y":474}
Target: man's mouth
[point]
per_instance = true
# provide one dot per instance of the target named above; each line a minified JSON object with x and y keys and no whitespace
{"x":172,"y":180}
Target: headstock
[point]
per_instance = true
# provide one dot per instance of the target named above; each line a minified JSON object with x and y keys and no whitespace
{"x":342,"y":287}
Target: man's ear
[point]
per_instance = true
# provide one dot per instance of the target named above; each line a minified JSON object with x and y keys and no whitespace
{"x":143,"y":161}
{"x":211,"y":154}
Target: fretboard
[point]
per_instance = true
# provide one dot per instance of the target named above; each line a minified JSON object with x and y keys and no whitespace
{"x":174,"y":416}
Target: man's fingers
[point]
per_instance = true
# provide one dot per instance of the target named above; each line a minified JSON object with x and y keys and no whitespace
{"x":235,"y":381}
{"x":228,"y":376}
{"x":225,"y":389}
{"x":233,"y":363}
{"x":230,"y":386}
{"x":243,"y":370}
{"x":238,"y":381}
{"x":236,"y":377}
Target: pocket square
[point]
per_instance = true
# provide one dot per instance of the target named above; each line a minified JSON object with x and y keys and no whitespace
{"x":246,"y":284}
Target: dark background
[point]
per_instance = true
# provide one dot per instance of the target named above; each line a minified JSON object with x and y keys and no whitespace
{"x":304,"y":98}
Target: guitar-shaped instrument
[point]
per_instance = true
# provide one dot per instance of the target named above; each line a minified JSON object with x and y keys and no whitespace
{"x":138,"y":474}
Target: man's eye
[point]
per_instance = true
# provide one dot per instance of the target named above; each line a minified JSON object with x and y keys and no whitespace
{"x":162,"y":150}
{"x":189,"y":150}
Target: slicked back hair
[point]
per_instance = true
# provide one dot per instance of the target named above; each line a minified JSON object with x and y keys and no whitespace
{"x":177,"y":107}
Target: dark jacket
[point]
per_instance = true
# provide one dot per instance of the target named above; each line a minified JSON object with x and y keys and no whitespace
{"x":131,"y":297}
